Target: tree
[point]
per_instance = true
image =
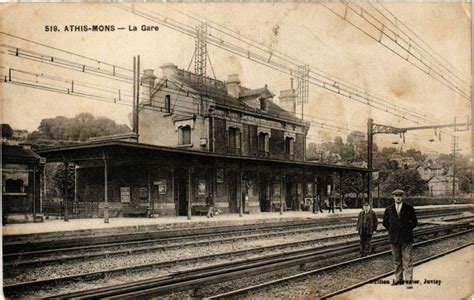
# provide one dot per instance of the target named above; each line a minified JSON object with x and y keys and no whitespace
{"x":407,"y":180}
{"x":80,"y":128}
{"x":7,"y":131}
{"x":355,"y":137}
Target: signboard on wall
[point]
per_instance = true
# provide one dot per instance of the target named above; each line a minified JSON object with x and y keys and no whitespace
{"x":276,"y":190}
{"x":161,"y":186}
{"x":143,"y":192}
{"x":309,"y":189}
{"x":201,"y":187}
{"x":124,"y":194}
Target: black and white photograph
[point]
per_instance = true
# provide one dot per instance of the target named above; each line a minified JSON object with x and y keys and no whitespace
{"x":237,"y":150}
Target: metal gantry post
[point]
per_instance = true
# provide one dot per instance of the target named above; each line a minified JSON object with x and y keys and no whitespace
{"x":370,"y":140}
{"x":106,"y":192}
{"x":66,"y":210}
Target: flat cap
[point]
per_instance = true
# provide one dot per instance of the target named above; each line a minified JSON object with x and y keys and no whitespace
{"x":398,"y":192}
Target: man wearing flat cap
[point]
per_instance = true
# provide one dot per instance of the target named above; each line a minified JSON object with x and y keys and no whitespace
{"x":399,"y":219}
{"x":366,"y":226}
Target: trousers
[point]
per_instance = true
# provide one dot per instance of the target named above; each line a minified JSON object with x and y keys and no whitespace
{"x":365,"y":244}
{"x":402,"y":259}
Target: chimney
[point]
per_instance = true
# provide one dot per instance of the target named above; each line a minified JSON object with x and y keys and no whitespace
{"x":233,"y":85}
{"x":288,"y":100}
{"x":169,"y":70}
{"x":148,"y":81}
{"x":148,"y":78}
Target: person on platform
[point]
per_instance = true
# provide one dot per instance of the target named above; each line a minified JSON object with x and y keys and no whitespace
{"x":210,"y":205}
{"x":400,"y":219}
{"x":366,"y":226}
{"x":316,"y":206}
{"x":294,"y":201}
{"x":331,"y":204}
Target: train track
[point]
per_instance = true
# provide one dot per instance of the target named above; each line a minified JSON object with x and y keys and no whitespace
{"x":16,"y":244}
{"x":227,"y":271}
{"x":18,"y":247}
{"x":417,"y":263}
{"x":251,"y":290}
{"x":34,"y":258}
{"x":161,"y":241}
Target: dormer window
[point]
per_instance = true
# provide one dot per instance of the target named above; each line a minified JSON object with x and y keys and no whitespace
{"x":167,"y":103}
{"x":263,"y":104}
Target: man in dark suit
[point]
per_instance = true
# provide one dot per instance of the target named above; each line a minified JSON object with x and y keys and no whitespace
{"x":366,"y":226}
{"x":400,"y":219}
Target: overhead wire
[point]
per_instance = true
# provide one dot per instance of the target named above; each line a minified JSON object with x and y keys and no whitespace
{"x":381,"y":32}
{"x":276,"y":53}
{"x":166,"y":21}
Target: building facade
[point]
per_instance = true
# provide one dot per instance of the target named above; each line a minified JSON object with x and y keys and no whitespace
{"x":200,"y":137}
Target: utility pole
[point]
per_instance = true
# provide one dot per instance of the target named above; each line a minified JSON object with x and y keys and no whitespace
{"x":455,"y":141}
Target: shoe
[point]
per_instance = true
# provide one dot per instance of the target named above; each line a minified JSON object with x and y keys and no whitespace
{"x":409,"y":286}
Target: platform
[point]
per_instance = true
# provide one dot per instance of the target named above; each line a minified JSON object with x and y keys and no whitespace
{"x":55,"y":225}
{"x":165,"y":222}
{"x":448,"y":277}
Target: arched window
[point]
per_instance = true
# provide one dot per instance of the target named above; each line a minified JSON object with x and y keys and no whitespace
{"x":234,"y":142}
{"x":184,"y":135}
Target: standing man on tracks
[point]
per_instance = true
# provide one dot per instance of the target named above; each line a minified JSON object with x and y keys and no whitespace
{"x":400,"y":219}
{"x":366,"y":226}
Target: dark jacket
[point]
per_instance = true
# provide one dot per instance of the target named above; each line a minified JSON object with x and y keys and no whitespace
{"x":400,"y":229}
{"x":370,"y":225}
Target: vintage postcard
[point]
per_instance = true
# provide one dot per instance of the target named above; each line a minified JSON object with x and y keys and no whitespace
{"x":258,"y":150}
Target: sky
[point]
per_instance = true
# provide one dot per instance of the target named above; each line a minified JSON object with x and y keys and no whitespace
{"x":307,"y":32}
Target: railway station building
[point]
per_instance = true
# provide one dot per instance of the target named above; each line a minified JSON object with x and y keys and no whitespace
{"x":197,"y":136}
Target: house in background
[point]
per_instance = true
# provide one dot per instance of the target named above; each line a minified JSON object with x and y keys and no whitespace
{"x":442,"y":185}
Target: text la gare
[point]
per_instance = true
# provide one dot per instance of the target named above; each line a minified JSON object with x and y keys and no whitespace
{"x":143,"y":28}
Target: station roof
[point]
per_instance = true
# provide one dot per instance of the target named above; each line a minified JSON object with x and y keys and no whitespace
{"x":19,"y":154}
{"x":90,"y":149}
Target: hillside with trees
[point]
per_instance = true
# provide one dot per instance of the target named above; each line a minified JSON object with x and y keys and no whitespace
{"x":397,"y":168}
{"x":61,"y":130}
